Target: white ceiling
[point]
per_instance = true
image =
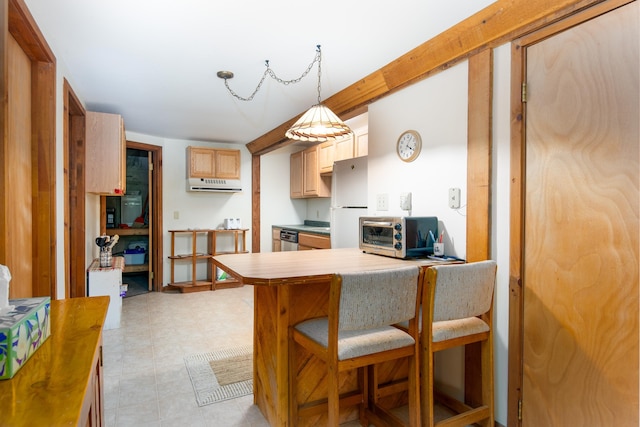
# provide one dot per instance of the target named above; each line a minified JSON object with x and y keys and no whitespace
{"x":155,"y":61}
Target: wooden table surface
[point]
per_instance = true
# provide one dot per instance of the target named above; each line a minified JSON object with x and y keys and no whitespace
{"x":50,"y":389}
{"x":277,"y":268}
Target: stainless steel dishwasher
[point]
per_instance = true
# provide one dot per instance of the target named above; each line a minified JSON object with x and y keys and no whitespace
{"x":288,"y":240}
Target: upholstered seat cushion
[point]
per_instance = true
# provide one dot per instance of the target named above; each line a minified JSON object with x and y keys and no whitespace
{"x":450,"y":329}
{"x":356,"y":343}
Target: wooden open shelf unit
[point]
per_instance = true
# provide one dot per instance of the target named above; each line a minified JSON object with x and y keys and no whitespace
{"x":194,"y":257}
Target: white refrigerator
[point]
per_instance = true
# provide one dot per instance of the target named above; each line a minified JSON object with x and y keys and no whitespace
{"x":348,"y":201}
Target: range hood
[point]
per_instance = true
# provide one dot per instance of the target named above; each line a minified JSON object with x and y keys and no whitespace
{"x":214,"y":185}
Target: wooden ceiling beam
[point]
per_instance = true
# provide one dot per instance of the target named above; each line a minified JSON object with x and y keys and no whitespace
{"x":494,"y":25}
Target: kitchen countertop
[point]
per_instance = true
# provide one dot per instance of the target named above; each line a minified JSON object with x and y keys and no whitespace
{"x":313,"y":227}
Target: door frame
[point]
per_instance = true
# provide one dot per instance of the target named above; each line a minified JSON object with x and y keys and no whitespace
{"x":74,"y":193}
{"x":156,"y":209}
{"x":16,"y":21}
{"x":517,"y":196}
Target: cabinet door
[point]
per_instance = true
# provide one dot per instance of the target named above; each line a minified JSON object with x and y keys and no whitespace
{"x":326,"y":155}
{"x":311,"y":174}
{"x":361,"y":144}
{"x":344,"y":148}
{"x":106,"y":154}
{"x":296,"y":175}
{"x":227,"y":164}
{"x":314,"y":184}
{"x":202,"y":162}
{"x":276,"y":245}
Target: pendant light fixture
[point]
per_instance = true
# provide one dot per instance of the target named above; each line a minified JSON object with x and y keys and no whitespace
{"x":318,"y":124}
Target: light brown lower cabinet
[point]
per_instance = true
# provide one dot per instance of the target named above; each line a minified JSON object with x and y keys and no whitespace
{"x":62,"y":382}
{"x":307,"y":241}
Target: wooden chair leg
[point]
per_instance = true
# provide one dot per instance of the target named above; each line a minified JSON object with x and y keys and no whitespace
{"x":486,"y":350}
{"x":414,"y":391}
{"x":363,"y":386}
{"x":293,"y":380}
{"x":333,"y":396}
{"x":426,"y":385}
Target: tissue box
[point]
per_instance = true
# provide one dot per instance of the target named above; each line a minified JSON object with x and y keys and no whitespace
{"x":22,"y":332}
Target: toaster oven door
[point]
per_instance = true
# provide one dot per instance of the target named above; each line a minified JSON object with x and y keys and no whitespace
{"x":377,"y":236}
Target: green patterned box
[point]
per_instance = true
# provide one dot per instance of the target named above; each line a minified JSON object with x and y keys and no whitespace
{"x":22,"y":332}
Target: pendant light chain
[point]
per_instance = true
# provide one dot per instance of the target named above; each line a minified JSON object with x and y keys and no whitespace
{"x":319,"y":58}
{"x":269,"y":72}
{"x":318,"y":124}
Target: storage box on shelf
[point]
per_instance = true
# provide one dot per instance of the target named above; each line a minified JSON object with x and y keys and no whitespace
{"x":194,"y":257}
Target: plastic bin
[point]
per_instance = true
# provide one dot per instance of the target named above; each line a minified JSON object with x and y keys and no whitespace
{"x":134,"y":256}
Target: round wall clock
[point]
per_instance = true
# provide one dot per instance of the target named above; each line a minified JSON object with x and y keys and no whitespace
{"x":409,"y":145}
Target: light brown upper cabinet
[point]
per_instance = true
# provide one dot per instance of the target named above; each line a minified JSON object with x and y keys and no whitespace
{"x":354,"y":145}
{"x":204,"y":162}
{"x":361,"y":142}
{"x":306,"y":181}
{"x":326,"y":156}
{"x":296,"y":177}
{"x":333,"y":151}
{"x":106,"y":154}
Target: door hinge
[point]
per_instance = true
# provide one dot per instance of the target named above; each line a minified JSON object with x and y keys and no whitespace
{"x":524,"y":92}
{"x":520,"y":410}
{"x":150,"y":166}
{"x":151,"y":275}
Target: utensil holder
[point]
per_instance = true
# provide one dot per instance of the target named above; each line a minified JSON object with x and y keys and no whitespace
{"x":105,"y":258}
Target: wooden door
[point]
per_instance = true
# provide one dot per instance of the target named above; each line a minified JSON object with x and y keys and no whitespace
{"x":19,"y":208}
{"x":581,"y":207}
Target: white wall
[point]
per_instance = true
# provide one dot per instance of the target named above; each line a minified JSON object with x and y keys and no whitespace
{"x":500,"y":222}
{"x":196,"y":209}
{"x":437,"y":109}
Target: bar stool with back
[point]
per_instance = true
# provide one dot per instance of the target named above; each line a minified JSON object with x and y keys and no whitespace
{"x":457,"y":310}
{"x":358,"y":333}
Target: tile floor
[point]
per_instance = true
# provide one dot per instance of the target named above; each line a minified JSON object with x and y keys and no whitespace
{"x":146,"y":381}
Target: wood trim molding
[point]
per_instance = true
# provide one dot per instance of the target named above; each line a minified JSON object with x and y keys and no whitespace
{"x":74,"y":200}
{"x":479,"y":147}
{"x":24,"y":29}
{"x":156,"y":228}
{"x":255,"y":204}
{"x":498,"y":23}
{"x":17,"y":21}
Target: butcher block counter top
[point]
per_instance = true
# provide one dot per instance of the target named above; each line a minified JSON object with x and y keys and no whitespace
{"x":278,"y":268}
{"x":60,"y":385}
{"x":290,"y":287}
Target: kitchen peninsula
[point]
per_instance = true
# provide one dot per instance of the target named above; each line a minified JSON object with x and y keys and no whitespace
{"x":290,"y":287}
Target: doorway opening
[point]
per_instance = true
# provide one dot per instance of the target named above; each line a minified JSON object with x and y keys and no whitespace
{"x":136,"y":218}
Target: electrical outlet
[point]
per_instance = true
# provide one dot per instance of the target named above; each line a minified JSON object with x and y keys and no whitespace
{"x":405,"y":201}
{"x":382,"y":202}
{"x":454,"y":198}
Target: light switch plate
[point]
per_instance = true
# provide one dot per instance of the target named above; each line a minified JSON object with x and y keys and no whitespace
{"x":454,"y":198}
{"x":405,"y":201}
{"x":382,"y":202}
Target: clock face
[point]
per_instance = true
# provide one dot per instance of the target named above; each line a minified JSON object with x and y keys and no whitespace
{"x":409,"y":145}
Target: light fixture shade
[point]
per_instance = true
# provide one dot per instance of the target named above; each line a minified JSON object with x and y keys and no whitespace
{"x":318,"y":124}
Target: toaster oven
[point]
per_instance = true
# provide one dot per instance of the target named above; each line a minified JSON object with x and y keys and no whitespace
{"x":398,"y":237}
